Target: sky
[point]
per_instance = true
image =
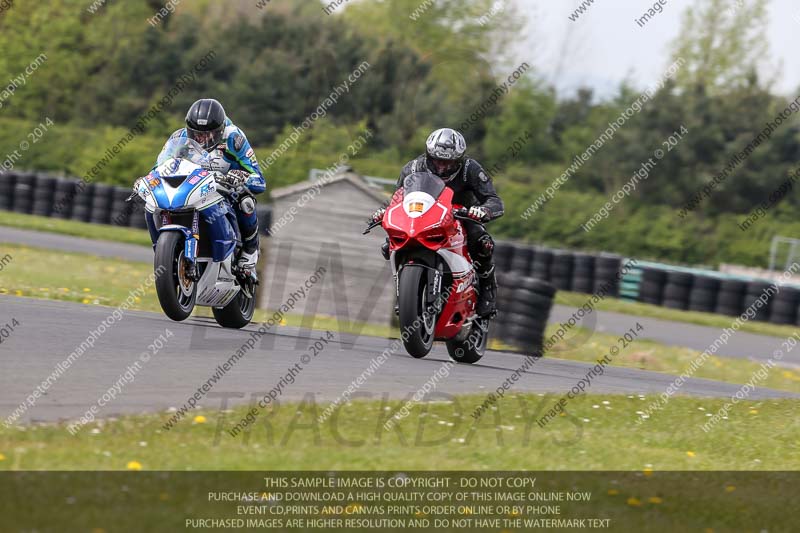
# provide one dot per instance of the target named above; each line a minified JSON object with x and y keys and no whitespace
{"x":606,"y":46}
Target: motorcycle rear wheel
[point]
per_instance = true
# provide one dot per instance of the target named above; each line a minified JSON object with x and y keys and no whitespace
{"x":417,"y":318}
{"x":238,"y":313}
{"x":176,"y":292}
{"x":471,"y":349}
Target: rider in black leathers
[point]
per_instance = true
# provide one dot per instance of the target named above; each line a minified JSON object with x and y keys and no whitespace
{"x":473,"y":188}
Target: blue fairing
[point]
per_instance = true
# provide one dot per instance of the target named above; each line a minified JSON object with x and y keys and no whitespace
{"x":181,"y":196}
{"x":220,"y":218}
{"x":223,"y":228}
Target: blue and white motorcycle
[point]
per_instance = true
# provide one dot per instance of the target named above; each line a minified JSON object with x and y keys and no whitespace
{"x":198,"y":236}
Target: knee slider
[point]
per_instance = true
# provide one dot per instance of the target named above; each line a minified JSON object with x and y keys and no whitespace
{"x":486,"y":245}
{"x":247,"y":205}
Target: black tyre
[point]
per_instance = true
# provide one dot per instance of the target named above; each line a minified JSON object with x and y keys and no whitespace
{"x":43,"y":195}
{"x":7,"y":181}
{"x":730,"y":297}
{"x":702,"y":300}
{"x":176,"y":293}
{"x":473,"y":347}
{"x":238,"y":313}
{"x":651,"y":291}
{"x":756,"y":290}
{"x":63,"y":198}
{"x":533,"y":305}
{"x":503,"y":253}
{"x":583,"y":273}
{"x":521,"y":260}
{"x":417,"y":318}
{"x":537,"y":286}
{"x":82,"y":203}
{"x":100,"y":209}
{"x":542,"y":261}
{"x":23,"y":193}
{"x":677,"y":290}
{"x":784,"y":306}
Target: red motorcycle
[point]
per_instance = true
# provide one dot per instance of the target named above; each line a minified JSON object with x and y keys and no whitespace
{"x":437,"y":289}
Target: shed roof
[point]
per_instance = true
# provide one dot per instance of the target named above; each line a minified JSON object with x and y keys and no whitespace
{"x":350,"y":178}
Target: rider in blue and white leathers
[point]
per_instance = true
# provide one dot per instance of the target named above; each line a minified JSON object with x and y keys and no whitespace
{"x":232,"y":155}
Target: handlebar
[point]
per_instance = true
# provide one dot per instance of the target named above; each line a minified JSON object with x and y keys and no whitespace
{"x":461,"y":213}
{"x":372,"y":224}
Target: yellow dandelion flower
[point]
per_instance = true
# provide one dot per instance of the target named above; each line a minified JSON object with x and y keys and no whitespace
{"x":730,"y":488}
{"x":199,"y":419}
{"x":655,"y":499}
{"x":282,"y":322}
{"x":134,"y":465}
{"x":87,"y":289}
{"x":2,"y":457}
{"x":690,"y":453}
{"x":613,"y":492}
{"x":634,"y":502}
{"x":753,"y":411}
{"x":18,"y":292}
{"x":647,"y":471}
{"x":86,"y":301}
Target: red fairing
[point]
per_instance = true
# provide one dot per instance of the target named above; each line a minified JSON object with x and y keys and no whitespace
{"x":437,"y":230}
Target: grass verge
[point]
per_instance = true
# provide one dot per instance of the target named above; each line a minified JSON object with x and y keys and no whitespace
{"x":599,"y":432}
{"x":102,"y":232}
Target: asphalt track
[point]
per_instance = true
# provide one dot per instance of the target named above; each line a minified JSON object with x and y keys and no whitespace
{"x":50,"y":330}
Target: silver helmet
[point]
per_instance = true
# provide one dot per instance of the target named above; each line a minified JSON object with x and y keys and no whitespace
{"x":445,"y":149}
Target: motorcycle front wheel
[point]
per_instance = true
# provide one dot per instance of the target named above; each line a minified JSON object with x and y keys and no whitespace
{"x":417,"y":316}
{"x":176,"y":291}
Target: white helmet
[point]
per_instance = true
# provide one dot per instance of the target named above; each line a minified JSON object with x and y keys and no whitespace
{"x":445,"y":149}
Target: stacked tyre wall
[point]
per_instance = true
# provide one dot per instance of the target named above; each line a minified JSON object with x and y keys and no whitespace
{"x":69,"y":199}
{"x":678,"y":288}
{"x":712,"y":292}
{"x":528,"y":279}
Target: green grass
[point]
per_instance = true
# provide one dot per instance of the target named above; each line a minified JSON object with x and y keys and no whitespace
{"x":599,"y":433}
{"x":76,"y":229}
{"x":103,"y":281}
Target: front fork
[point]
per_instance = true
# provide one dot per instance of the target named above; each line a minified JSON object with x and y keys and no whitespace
{"x":434,"y":284}
{"x":191,"y":238}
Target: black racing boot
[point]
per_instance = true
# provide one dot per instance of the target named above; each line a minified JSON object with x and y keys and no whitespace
{"x":487,"y":294}
{"x":247,"y":265}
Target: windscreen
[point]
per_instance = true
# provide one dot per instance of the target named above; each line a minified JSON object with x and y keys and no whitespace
{"x":423,"y":182}
{"x":184,"y":148}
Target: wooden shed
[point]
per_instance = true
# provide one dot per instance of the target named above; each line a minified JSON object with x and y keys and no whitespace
{"x":319,"y":224}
